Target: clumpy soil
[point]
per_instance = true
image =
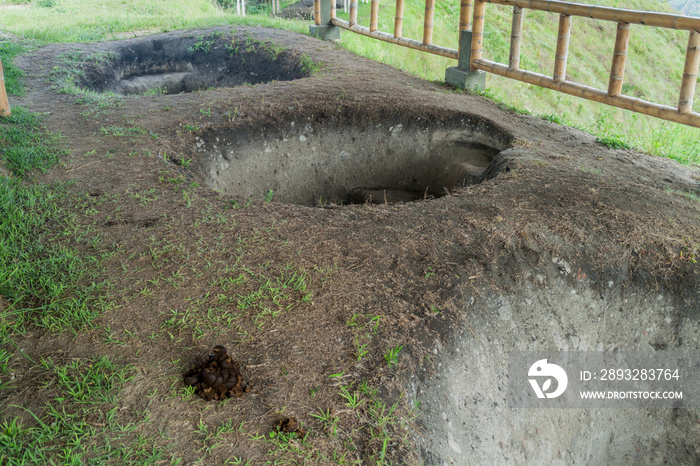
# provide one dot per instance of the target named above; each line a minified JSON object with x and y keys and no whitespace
{"x":218,"y":377}
{"x":531,"y":236}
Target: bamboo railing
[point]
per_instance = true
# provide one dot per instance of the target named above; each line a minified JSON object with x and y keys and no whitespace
{"x":425,"y":45}
{"x":472,"y":15}
{"x":558,"y":81}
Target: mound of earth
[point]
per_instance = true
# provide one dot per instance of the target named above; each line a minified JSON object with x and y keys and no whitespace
{"x":532,"y":236}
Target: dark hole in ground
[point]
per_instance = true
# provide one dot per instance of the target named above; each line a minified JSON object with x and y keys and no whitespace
{"x":347,"y":163}
{"x":192,"y":63}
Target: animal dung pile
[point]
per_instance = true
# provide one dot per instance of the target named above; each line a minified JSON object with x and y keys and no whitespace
{"x":217,"y":378}
{"x":289,"y":425}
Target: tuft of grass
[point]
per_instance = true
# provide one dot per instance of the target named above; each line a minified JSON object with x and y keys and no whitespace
{"x":308,"y":65}
{"x":120,"y":131}
{"x":202,"y":45}
{"x":392,"y":355}
{"x":613,"y":142}
{"x":89,"y":381}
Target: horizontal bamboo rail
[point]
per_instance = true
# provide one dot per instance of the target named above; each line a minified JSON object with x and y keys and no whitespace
{"x":590,"y":93}
{"x":646,"y":18}
{"x":4,"y":103}
{"x":406,"y":42}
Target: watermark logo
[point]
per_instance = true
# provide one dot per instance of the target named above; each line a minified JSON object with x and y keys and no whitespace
{"x":551,"y":371}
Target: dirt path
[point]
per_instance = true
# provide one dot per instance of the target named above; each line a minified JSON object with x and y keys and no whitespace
{"x":553,"y":211}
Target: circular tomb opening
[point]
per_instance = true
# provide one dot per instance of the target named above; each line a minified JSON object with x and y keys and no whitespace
{"x":171,"y":64}
{"x":348,"y":163}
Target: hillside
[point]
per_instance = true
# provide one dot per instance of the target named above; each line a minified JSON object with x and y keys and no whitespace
{"x":687,"y":7}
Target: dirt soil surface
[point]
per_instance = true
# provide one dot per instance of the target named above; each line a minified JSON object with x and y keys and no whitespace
{"x":191,"y":268}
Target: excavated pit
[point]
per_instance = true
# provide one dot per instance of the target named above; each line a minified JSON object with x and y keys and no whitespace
{"x":348,"y":163}
{"x":189,"y":63}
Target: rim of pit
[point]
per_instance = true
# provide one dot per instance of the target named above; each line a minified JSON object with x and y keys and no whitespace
{"x":192,"y":62}
{"x":348,"y":161}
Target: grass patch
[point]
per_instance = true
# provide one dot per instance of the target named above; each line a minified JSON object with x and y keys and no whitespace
{"x":382,"y":429}
{"x":25,"y":146}
{"x":81,"y":21}
{"x":80,"y":425}
{"x":63,"y":78}
{"x":43,"y":281}
{"x":47,"y":284}
{"x":13,"y":75}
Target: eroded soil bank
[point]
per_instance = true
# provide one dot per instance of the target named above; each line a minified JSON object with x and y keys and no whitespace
{"x":531,"y":236}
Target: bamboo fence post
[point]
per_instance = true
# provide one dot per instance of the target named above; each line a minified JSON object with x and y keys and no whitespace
{"x":374,"y":15}
{"x":317,"y":12}
{"x":516,"y":37}
{"x":617,"y":72}
{"x":4,"y":103}
{"x":477,"y":31}
{"x":465,"y":15}
{"x":562,"y":53}
{"x":353,"y":13}
{"x":690,"y":73}
{"x":428,"y":22}
{"x":398,"y":21}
